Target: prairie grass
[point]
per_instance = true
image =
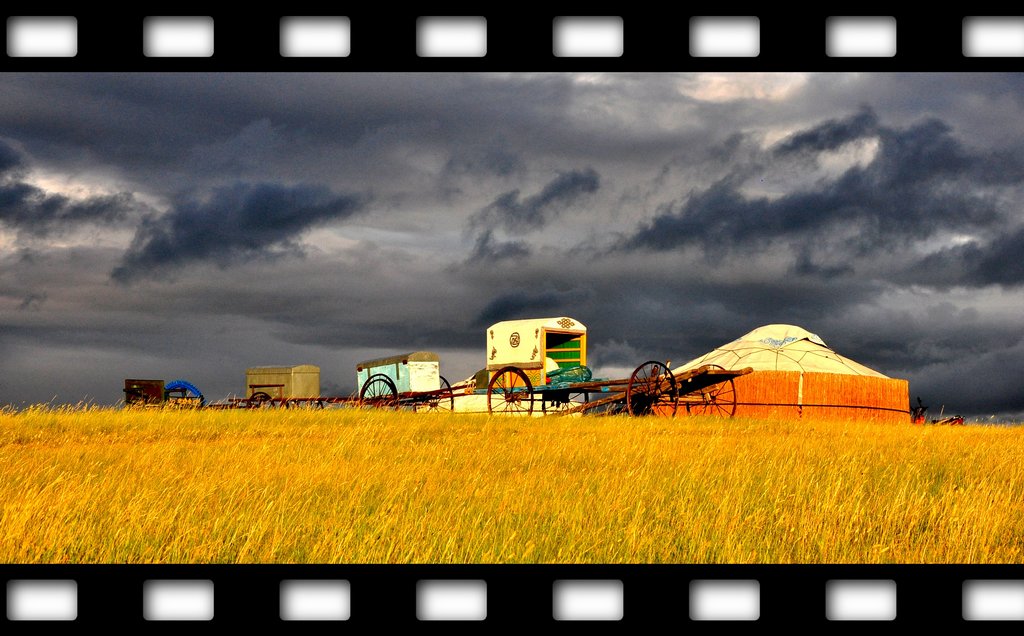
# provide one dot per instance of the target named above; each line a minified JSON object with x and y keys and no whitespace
{"x":347,"y":486}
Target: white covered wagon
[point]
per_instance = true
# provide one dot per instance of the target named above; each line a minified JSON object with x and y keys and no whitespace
{"x":408,"y":379}
{"x":537,"y":346}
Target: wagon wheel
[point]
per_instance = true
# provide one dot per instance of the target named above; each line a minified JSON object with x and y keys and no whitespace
{"x":717,"y":399}
{"x":260,"y":400}
{"x":444,"y":400}
{"x":652,"y":389}
{"x":511,"y":392}
{"x":379,"y":390}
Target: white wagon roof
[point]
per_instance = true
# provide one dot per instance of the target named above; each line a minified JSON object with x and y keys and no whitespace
{"x":295,"y":368}
{"x":412,"y":356}
{"x":559,"y":323}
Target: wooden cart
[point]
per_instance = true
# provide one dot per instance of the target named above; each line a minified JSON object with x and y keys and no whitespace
{"x":379,"y":391}
{"x":651,"y":389}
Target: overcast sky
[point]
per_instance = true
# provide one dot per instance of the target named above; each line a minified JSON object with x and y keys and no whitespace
{"x":190,"y":226}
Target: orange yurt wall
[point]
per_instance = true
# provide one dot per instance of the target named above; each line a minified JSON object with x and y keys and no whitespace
{"x":856,"y":397}
{"x":825,"y":395}
{"x":768,"y":394}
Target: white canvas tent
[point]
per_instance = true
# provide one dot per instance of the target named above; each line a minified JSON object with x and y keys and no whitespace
{"x":796,"y":373}
{"x":781,"y":348}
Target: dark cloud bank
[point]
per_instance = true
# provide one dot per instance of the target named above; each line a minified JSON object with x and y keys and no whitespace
{"x":234,"y":224}
{"x":921,"y":181}
{"x":35,"y":212}
{"x":518,"y":215}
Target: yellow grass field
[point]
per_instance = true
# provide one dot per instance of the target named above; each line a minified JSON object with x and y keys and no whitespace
{"x":347,"y":486}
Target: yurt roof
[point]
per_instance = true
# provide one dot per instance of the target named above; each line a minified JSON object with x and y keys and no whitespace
{"x":781,"y":348}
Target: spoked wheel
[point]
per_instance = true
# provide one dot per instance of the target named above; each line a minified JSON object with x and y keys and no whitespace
{"x":260,"y":400}
{"x":379,"y":391}
{"x":652,"y":390}
{"x":717,"y":399}
{"x":510,"y":392}
{"x":444,"y":400}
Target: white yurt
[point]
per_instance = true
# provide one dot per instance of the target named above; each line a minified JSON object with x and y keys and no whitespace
{"x":796,"y":374}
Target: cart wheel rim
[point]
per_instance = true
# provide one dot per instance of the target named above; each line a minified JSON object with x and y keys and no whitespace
{"x":260,"y":400}
{"x":442,"y":400}
{"x":718,"y":399}
{"x":510,"y":392}
{"x":652,"y":390}
{"x":379,"y":391}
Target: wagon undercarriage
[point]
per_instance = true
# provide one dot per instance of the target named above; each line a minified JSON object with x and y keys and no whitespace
{"x":651,"y":389}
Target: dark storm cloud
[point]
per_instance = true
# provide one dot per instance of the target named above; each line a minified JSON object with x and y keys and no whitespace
{"x":32,"y":301}
{"x":807,"y":265}
{"x":922,"y":179}
{"x":483,"y":161}
{"x":9,"y":158}
{"x":30,"y":209}
{"x":997,"y":262}
{"x":520,"y":305}
{"x":243,"y":221}
{"x":970,"y":386}
{"x":927,"y":334}
{"x":334,"y":128}
{"x":1001,"y":262}
{"x":832,"y":134}
{"x":487,"y":249}
{"x":517,"y":214}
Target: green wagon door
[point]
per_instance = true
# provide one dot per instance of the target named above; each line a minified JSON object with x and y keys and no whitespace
{"x":567,"y":349}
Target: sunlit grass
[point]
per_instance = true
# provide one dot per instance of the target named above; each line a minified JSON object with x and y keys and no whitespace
{"x":346,"y":486}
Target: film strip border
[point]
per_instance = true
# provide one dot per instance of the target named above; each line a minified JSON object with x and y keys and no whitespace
{"x":746,"y":40}
{"x":689,"y":597}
